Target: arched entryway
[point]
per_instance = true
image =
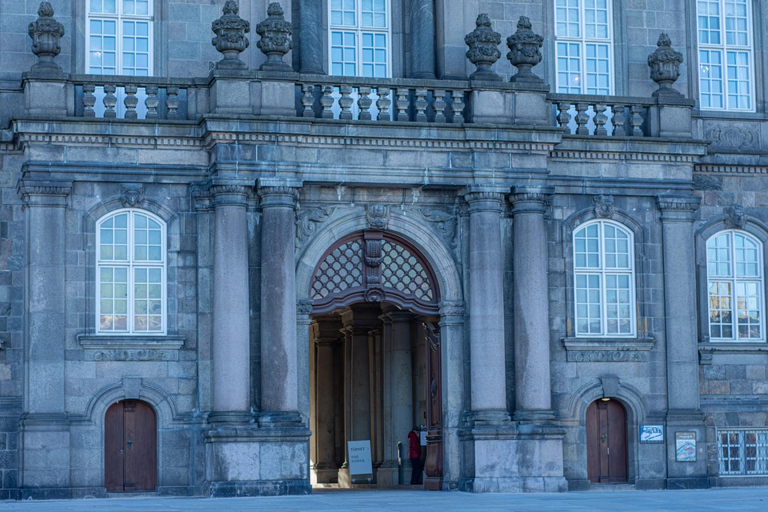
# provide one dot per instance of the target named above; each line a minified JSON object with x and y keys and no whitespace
{"x":130,"y":447}
{"x":607,"y":442}
{"x":374,"y":359}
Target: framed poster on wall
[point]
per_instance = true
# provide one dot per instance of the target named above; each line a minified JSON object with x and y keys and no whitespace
{"x":651,"y":434}
{"x":685,"y":446}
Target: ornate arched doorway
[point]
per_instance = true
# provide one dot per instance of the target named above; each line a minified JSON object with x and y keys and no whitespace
{"x":375,"y":359}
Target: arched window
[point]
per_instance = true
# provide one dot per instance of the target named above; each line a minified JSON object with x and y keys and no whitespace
{"x":130,"y":273}
{"x":360,"y":38}
{"x":604,"y":276}
{"x":726,"y":61}
{"x":735,"y":287}
{"x":584,"y":46}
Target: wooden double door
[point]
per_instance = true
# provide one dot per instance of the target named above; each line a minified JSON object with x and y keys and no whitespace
{"x":130,"y":447}
{"x":607,"y":442}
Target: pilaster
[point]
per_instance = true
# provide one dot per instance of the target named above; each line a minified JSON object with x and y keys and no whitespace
{"x":45,"y":436}
{"x":422,"y":39}
{"x":683,"y":410}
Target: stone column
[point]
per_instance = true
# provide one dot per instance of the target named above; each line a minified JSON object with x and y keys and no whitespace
{"x":533,"y":390}
{"x":422,"y":39}
{"x":488,"y":396}
{"x":683,"y":409}
{"x":279,"y":394}
{"x":326,"y":338}
{"x":374,"y":348}
{"x":231,"y":332}
{"x":45,"y":428}
{"x":386,"y":476}
{"x":311,"y":47}
{"x":402,"y":387}
{"x":454,"y":399}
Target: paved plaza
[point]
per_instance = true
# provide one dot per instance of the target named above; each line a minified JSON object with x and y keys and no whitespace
{"x":739,"y":499}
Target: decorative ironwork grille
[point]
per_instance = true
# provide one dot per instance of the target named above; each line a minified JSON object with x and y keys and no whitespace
{"x":402,"y":271}
{"x":340,"y":270}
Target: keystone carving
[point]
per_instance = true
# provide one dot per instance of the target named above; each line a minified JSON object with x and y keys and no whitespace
{"x":275,"y":40}
{"x":378,"y":216}
{"x":604,"y":206}
{"x":524,"y":51}
{"x":46,"y":34}
{"x":665,"y":67}
{"x":230,"y":38}
{"x":483,"y":50}
{"x":131,"y":195}
{"x":737,"y":216}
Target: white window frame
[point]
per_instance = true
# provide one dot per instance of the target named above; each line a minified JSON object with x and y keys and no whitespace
{"x":358,"y":30}
{"x":724,"y":48}
{"x":118,"y":18}
{"x":130,"y":264}
{"x":761,"y":452}
{"x":733,"y":280}
{"x":583,"y":41}
{"x":603,"y":272}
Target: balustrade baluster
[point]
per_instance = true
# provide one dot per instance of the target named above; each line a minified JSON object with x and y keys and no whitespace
{"x":364,"y":103}
{"x":131,"y":101}
{"x":327,"y":102}
{"x":421,"y":105}
{"x":619,"y":121}
{"x":172,"y":102}
{"x":457,"y":107}
{"x":564,"y":117}
{"x":151,"y":101}
{"x":383,"y":104}
{"x":345,"y":102}
{"x":402,"y":104}
{"x":89,"y":100}
{"x":600,"y":120}
{"x":110,"y":100}
{"x":439,"y":106}
{"x":636,"y":121}
{"x":308,"y":100}
{"x":582,"y":118}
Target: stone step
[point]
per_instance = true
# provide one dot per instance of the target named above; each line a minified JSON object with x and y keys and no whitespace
{"x":612,"y":487}
{"x":132,"y":494}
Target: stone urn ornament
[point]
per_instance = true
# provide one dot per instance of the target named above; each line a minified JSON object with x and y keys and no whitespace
{"x":665,"y":66}
{"x":230,"y":38}
{"x":524,"y":51}
{"x":483,"y":50}
{"x":46,"y":34}
{"x":275,"y":39}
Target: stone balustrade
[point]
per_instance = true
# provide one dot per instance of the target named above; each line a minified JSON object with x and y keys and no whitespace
{"x":421,"y":101}
{"x":128,"y":97}
{"x":601,"y":116}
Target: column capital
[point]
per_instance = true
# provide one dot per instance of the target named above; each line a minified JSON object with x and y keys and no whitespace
{"x":230,"y":194}
{"x":279,"y":196}
{"x":452,"y":309}
{"x":678,"y":207}
{"x":46,"y":194}
{"x":304,"y":307}
{"x":485,"y":199}
{"x":531,"y":199}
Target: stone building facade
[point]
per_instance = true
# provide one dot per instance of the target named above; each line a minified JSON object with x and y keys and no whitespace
{"x":221,"y":262}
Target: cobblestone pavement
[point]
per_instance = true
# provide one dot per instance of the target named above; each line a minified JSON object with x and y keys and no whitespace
{"x":740,"y":499}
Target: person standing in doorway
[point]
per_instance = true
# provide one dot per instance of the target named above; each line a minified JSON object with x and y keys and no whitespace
{"x":414,"y":453}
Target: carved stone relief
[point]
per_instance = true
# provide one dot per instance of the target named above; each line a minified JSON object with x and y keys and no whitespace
{"x":739,"y":136}
{"x":308,"y":220}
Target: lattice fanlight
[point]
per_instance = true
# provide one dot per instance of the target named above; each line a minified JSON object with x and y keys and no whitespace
{"x":373,"y":266}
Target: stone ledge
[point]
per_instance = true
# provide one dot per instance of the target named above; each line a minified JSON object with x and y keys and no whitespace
{"x":131,"y":348}
{"x":708,"y":349}
{"x":608,"y":350}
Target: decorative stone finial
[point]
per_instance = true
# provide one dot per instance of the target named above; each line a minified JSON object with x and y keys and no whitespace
{"x":665,"y":66}
{"x":275,"y":40}
{"x":46,"y":34}
{"x":483,"y":50}
{"x":524,"y":51}
{"x":230,"y":37}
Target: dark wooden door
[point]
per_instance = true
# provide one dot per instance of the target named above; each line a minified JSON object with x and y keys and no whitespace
{"x":607,"y":442}
{"x":433,"y":465}
{"x":130,"y":447}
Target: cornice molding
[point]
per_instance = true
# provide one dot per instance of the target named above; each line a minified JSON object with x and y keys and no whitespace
{"x":619,"y":156}
{"x":731,"y":169}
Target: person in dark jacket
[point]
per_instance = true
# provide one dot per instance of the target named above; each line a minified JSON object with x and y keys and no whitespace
{"x":414,"y":453}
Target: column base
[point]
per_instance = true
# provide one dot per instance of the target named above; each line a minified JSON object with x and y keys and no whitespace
{"x":534,"y":416}
{"x":512,"y":457}
{"x":280,"y":419}
{"x":345,"y":479}
{"x":250,"y":460}
{"x":387,"y":477}
{"x":45,"y":452}
{"x":325,"y":475}
{"x":688,"y":474}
